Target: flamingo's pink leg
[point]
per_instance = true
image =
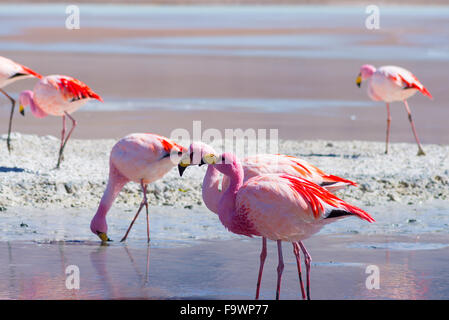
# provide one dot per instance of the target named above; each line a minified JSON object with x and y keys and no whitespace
{"x":420,"y":149}
{"x":308,"y":260}
{"x":145,"y":200}
{"x":298,"y":263}
{"x":13,"y":104}
{"x":62,"y":134}
{"x":143,"y":203}
{"x":61,"y":149}
{"x":388,"y":127}
{"x":280,"y":269}
{"x":263,"y":255}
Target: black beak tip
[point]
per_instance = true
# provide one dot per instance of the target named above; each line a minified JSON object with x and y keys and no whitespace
{"x":22,"y":112}
{"x":181,"y":170}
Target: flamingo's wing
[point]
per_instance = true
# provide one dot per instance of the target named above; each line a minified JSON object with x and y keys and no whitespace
{"x":10,"y":70}
{"x":288,"y":208}
{"x":25,"y":71}
{"x":73,"y":89}
{"x":277,"y":163}
{"x":318,"y":176}
{"x":405,"y":79}
{"x":322,"y":203}
{"x":169,"y":145}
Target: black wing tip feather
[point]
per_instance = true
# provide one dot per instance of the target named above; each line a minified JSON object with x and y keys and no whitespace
{"x":336,"y":213}
{"x":16,"y":75}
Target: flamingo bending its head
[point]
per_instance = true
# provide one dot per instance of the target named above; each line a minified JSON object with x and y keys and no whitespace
{"x":251,"y":170}
{"x":138,"y":157}
{"x":389,"y":84}
{"x":57,"y":95}
{"x":10,"y":72}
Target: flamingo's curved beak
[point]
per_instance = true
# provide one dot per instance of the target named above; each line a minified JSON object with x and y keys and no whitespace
{"x":183,"y":164}
{"x":181,"y":169}
{"x":22,"y":110}
{"x":358,"y":81}
{"x":186,"y":162}
{"x":103,"y":237}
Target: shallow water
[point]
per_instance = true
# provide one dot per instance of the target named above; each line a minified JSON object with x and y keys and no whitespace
{"x":234,"y":105}
{"x":173,"y":227}
{"x":431,"y":43}
{"x":192,"y":256}
{"x":220,"y":270}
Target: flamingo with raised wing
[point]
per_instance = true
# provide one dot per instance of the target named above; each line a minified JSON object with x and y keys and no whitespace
{"x":57,"y":95}
{"x":10,"y":72}
{"x":389,"y":84}
{"x":138,"y":157}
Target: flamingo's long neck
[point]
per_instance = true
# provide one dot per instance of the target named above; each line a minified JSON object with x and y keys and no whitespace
{"x":226,"y":207}
{"x":115,"y":184}
{"x":211,"y":194}
{"x":34,"y":107}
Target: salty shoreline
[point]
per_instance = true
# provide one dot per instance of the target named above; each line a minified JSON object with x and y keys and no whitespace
{"x":28,"y":177}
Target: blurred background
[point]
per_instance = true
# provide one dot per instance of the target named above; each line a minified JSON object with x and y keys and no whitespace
{"x":288,"y":65}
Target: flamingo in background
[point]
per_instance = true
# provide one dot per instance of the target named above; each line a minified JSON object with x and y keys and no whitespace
{"x":389,"y":84}
{"x":254,"y":166}
{"x":57,"y":95}
{"x":138,"y":157}
{"x":280,"y":207}
{"x":10,"y":72}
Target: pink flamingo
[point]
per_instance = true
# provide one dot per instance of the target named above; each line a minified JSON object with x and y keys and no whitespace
{"x":279,"y":207}
{"x":389,"y":84}
{"x":138,"y":157}
{"x":254,"y":166}
{"x":57,"y":95}
{"x":10,"y":72}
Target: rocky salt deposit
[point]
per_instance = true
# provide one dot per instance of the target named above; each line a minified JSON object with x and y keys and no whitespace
{"x":28,"y":177}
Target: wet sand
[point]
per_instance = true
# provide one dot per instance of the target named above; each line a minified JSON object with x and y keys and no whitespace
{"x":343,"y":124}
{"x":411,"y":267}
{"x":224,"y":77}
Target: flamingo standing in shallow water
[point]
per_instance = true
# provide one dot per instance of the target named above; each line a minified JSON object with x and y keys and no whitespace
{"x":255,"y":166}
{"x":57,"y":95}
{"x":10,"y":72}
{"x":389,"y":84}
{"x":279,"y":207}
{"x":138,"y":157}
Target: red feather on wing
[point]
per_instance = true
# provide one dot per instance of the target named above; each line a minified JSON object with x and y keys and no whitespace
{"x":313,"y":193}
{"x":77,"y":89}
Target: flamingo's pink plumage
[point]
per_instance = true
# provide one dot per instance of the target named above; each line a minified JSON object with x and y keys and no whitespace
{"x":279,"y":207}
{"x":141,"y":158}
{"x":57,"y":95}
{"x":10,"y":72}
{"x":389,"y":84}
{"x":254,"y":167}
